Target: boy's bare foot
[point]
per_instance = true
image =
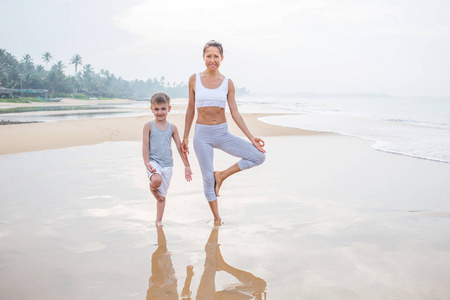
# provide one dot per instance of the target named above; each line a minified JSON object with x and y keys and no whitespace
{"x":218,"y":177}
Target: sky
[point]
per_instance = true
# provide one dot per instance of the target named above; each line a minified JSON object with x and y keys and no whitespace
{"x":397,"y":47}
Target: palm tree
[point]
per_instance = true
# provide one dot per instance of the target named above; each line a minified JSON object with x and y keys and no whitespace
{"x":27,"y":58}
{"x":55,"y":79}
{"x":76,"y":60}
{"x":88,"y":69}
{"x":9,"y":69}
{"x":88,"y":78}
{"x":40,"y":73}
{"x":26,"y":68}
{"x":60,"y":65}
{"x":47,"y":57}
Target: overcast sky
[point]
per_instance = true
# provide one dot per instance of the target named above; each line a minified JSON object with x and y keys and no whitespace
{"x":399,"y":47}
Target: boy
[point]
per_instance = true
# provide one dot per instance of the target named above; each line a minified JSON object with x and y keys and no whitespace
{"x":157,"y":151}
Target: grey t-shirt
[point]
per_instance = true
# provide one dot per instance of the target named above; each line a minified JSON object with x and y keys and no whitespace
{"x":160,"y":147}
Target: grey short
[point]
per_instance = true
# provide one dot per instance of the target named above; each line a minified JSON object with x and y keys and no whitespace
{"x":165,"y":173}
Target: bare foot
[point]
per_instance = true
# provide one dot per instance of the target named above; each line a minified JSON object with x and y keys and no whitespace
{"x":218,"y":222}
{"x":219,"y":180}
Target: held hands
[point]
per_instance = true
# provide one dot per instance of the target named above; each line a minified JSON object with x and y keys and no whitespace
{"x":258,"y":143}
{"x":150,"y":168}
{"x":188,"y":173}
{"x":185,"y":147}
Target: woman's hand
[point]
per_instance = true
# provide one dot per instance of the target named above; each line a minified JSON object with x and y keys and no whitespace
{"x":188,"y":173}
{"x":185,"y":147}
{"x":258,"y":143}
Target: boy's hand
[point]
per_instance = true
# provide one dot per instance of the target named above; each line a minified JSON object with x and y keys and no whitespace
{"x":150,"y":168}
{"x":188,"y":174}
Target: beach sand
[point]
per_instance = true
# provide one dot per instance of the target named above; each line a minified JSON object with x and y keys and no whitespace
{"x":325,"y":217}
{"x":68,"y":133}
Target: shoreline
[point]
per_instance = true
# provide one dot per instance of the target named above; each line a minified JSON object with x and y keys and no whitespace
{"x":69,"y":133}
{"x":374,"y":142}
{"x":29,"y":137}
{"x":66,"y":102}
{"x":55,"y":134}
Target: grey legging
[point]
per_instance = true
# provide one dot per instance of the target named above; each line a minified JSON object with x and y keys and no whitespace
{"x":208,"y":137}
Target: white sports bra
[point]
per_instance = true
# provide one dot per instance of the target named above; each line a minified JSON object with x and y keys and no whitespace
{"x":210,"y":97}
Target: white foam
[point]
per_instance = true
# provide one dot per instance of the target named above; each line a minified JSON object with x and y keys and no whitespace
{"x":394,"y":137}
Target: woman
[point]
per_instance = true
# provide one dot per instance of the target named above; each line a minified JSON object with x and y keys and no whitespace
{"x":209,"y":92}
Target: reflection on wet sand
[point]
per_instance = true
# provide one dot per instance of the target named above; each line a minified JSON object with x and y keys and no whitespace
{"x":163,"y":281}
{"x":249,"y":286}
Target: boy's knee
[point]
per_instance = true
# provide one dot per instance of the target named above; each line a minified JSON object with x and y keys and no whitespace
{"x":155,"y":181}
{"x":161,"y":198}
{"x":153,"y":186}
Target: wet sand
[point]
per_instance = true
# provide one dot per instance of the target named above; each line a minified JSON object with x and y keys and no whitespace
{"x":68,"y":133}
{"x":340,"y":221}
{"x":325,"y":217}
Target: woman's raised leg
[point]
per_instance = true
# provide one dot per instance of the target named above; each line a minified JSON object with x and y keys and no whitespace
{"x":249,"y":154}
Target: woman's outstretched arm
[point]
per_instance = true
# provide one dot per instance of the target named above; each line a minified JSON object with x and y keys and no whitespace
{"x":190,"y":113}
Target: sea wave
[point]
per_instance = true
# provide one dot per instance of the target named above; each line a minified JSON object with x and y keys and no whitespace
{"x":406,"y":139}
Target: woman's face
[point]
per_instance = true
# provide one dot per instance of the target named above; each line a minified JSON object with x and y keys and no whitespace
{"x":212,"y":58}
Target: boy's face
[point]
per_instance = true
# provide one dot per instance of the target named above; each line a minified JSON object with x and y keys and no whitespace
{"x":160,"y":110}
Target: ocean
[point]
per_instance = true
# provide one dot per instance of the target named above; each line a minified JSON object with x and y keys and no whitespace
{"x":416,"y":126}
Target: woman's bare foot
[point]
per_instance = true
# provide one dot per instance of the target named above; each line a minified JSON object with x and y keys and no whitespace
{"x":219,"y":178}
{"x":218,"y":222}
{"x":215,"y":210}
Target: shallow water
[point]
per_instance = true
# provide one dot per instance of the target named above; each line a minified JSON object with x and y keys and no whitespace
{"x":320,"y":219}
{"x":33,"y":118}
{"x":76,"y":112}
{"x":417,"y":126}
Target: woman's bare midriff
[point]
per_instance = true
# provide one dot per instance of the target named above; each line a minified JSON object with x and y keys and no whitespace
{"x":211,"y":115}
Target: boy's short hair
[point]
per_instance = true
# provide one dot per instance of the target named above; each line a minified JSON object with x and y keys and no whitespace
{"x":160,"y":98}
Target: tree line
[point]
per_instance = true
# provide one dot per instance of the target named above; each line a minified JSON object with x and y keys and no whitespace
{"x":25,"y":74}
